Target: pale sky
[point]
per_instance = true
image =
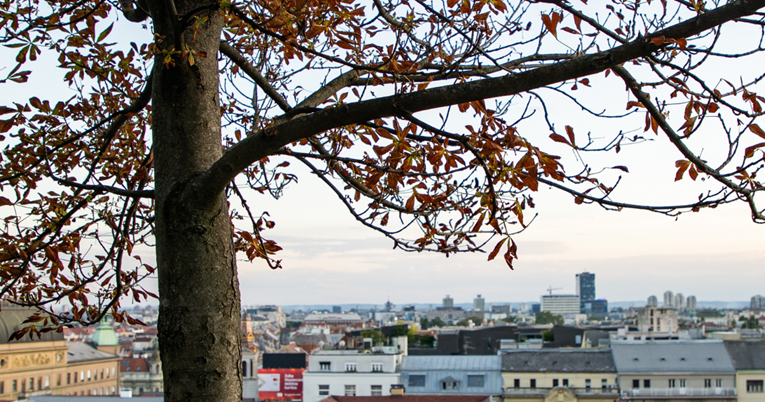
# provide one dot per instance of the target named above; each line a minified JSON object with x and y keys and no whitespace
{"x":329,"y":258}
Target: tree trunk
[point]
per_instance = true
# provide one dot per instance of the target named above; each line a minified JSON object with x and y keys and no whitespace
{"x":199,"y":311}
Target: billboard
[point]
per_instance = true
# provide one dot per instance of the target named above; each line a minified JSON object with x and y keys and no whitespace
{"x":280,"y":384}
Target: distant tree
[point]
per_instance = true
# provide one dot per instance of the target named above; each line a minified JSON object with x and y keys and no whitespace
{"x":510,"y":319}
{"x":546,"y":317}
{"x":476,"y":321}
{"x":377,"y":337}
{"x":547,"y":336}
{"x":424,"y":323}
{"x":399,"y":330}
{"x":437,"y":322}
{"x":427,"y":341}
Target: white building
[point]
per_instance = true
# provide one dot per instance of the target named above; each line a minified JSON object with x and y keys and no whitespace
{"x":351,"y":373}
{"x":479,"y":303}
{"x":669,"y":299}
{"x":679,"y":302}
{"x":657,"y":320}
{"x":249,"y":375}
{"x":561,"y":304}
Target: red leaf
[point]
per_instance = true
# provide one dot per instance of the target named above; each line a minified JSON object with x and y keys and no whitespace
{"x":623,"y":168}
{"x":559,"y":138}
{"x":757,"y":130}
{"x":496,"y":249}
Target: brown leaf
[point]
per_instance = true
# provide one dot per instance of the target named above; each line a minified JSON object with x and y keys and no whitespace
{"x":757,"y":130}
{"x":496,"y":249}
{"x":4,"y":201}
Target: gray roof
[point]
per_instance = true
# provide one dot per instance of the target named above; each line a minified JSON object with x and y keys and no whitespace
{"x":558,"y":361}
{"x":82,"y":352}
{"x":11,"y":319}
{"x":671,"y":357}
{"x":747,"y":355}
{"x":474,"y":362}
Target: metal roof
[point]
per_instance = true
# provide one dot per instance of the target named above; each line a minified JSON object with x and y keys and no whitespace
{"x":558,"y":361}
{"x":82,"y":352}
{"x":671,"y":357}
{"x":746,"y":355}
{"x":475,"y":362}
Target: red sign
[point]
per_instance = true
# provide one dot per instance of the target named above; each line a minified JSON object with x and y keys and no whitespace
{"x":280,"y":384}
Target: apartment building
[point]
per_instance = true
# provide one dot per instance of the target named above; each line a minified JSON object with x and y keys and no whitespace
{"x":351,"y":373}
{"x":748,"y":358}
{"x":674,"y":371}
{"x":559,"y":375}
{"x":452,"y":375}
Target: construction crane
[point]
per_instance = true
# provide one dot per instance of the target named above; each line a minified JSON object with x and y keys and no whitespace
{"x":550,"y":289}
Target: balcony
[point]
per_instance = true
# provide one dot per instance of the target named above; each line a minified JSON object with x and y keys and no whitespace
{"x":577,"y":391}
{"x":678,"y":392}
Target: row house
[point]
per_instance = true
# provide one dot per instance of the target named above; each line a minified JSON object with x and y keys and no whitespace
{"x":570,"y":375}
{"x":674,"y":370}
{"x":351,"y":373}
{"x":748,"y":359}
{"x":452,"y":375}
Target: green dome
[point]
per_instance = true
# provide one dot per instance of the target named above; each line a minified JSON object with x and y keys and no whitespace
{"x":105,"y":335}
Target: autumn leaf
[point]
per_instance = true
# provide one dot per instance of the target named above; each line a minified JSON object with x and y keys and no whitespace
{"x":757,"y":130}
{"x":496,"y":249}
{"x":682,"y":166}
{"x":551,"y":22}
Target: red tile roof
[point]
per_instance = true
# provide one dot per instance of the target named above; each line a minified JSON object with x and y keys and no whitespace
{"x":134,"y":365}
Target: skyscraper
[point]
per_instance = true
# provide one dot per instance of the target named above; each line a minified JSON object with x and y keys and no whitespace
{"x":758,"y":303}
{"x":680,"y":302}
{"x":669,"y":299}
{"x":690,"y":303}
{"x":652,"y":301}
{"x":585,"y":288}
{"x":448,"y":302}
{"x":479,"y":304}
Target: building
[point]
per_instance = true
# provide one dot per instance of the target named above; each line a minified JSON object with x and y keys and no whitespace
{"x":337,"y":309}
{"x":501,"y":309}
{"x":748,"y":358}
{"x":585,"y":288}
{"x":679,"y":302}
{"x":412,"y":398}
{"x":674,"y":371}
{"x":333,"y":319}
{"x":690,"y":303}
{"x":452,"y":375}
{"x":652,"y":302}
{"x":561,"y":304}
{"x":479,"y":303}
{"x":595,"y":308}
{"x":657,"y":320}
{"x":757,"y":303}
{"x":669,"y":299}
{"x":142,"y":375}
{"x":448,"y":302}
{"x":49,"y":365}
{"x":351,"y":373}
{"x":559,"y":375}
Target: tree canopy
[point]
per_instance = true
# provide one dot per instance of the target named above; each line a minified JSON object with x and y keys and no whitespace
{"x":434,"y":123}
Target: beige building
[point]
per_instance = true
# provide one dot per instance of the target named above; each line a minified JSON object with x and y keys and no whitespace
{"x":50,"y":365}
{"x":565,"y":375}
{"x":654,"y":320}
{"x":748,"y":358}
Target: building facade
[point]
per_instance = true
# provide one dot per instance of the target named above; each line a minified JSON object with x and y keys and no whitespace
{"x":571,"y":375}
{"x":561,"y":304}
{"x":669,"y":299}
{"x":479,"y":303}
{"x":452,"y":375}
{"x":585,"y":288}
{"x":748,"y":359}
{"x":448,"y":302}
{"x":658,"y":320}
{"x":674,"y":371}
{"x":351,"y":373}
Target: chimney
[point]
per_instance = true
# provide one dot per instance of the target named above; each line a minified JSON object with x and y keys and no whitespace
{"x":397,"y":390}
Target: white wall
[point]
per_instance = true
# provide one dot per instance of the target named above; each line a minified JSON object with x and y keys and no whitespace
{"x":338,"y":381}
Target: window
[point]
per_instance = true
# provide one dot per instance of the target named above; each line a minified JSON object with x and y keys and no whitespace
{"x":88,"y":375}
{"x":325,"y":366}
{"x":82,"y":376}
{"x":376,"y":390}
{"x":102,"y":374}
{"x":244,"y":369}
{"x":377,"y":367}
{"x":682,"y":383}
{"x":718,"y":382}
{"x":324,"y":390}
{"x":58,"y":380}
{"x":555,"y":382}
{"x":416,"y":380}
{"x":449,"y":385}
{"x":112,"y":371}
{"x":14,"y":386}
{"x":350,"y":390}
{"x":587,"y":383}
{"x":565,"y":382}
{"x":68,"y":378}
{"x":475,"y":380}
{"x":752,"y":386}
{"x":646,"y":383}
{"x":47,"y":381}
{"x":707,"y":383}
{"x":671,"y":383}
{"x":2,"y":387}
{"x":517,"y":383}
{"x":31,"y":384}
{"x":350,"y":368}
{"x":532,"y":383}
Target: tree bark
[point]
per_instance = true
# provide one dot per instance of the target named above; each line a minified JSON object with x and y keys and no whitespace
{"x":199,"y":310}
